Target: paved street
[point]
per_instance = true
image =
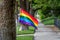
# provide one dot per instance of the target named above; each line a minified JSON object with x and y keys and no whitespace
{"x":44,"y":33}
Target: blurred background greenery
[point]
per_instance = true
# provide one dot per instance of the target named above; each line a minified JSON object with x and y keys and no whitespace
{"x":44,"y":10}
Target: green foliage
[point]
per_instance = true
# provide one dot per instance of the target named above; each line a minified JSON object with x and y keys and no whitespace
{"x":46,"y":7}
{"x":58,"y":17}
{"x":48,"y":21}
{"x":41,"y":14}
{"x":18,"y":3}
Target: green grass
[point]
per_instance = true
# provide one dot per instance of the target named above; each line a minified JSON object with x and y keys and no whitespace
{"x":48,"y":21}
{"x":24,"y":38}
{"x":30,"y":31}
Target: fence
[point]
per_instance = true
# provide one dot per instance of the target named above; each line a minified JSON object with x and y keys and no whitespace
{"x":57,"y":22}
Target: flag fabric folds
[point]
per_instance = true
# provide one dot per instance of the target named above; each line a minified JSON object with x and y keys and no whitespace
{"x":27,"y":19}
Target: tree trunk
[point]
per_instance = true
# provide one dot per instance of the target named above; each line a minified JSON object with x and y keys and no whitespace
{"x":28,"y":5}
{"x":24,"y":5}
{"x":31,"y":9}
{"x":7,"y":20}
{"x":16,"y":13}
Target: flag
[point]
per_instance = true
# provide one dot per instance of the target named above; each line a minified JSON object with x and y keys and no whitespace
{"x":27,"y":19}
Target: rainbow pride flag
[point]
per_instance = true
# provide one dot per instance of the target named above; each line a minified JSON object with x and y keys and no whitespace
{"x":27,"y":19}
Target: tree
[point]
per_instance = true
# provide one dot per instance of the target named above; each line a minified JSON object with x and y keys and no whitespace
{"x":24,"y":4}
{"x":7,"y":20}
{"x":48,"y":7}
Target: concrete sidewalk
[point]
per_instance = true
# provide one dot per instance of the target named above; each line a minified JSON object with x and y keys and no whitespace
{"x":26,"y":35}
{"x":44,"y":33}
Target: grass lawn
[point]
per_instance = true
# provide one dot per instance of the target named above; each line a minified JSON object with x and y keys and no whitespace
{"x":48,"y":21}
{"x":24,"y":38}
{"x":30,"y":31}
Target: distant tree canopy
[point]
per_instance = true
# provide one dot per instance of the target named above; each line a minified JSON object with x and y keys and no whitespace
{"x":47,"y":6}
